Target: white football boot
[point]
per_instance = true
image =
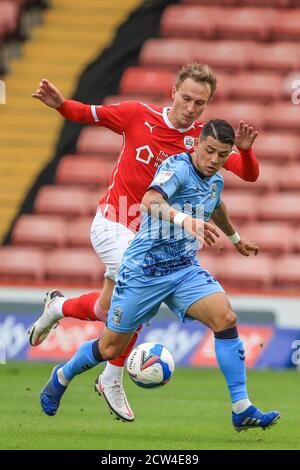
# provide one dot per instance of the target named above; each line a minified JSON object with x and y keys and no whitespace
{"x":48,"y":320}
{"x":115,"y":398}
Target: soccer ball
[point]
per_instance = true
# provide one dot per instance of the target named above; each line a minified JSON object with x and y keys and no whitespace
{"x":150,"y":365}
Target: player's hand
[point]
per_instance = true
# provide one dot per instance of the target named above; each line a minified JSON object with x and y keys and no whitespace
{"x":203,"y":231}
{"x":245,"y":136}
{"x":49,"y":94}
{"x":246,"y":247}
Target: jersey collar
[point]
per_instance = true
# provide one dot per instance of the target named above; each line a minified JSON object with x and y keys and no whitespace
{"x":170,"y":125}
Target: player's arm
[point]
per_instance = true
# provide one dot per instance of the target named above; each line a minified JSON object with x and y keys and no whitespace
{"x":244,"y":163}
{"x":155,"y":204}
{"x":221,"y":219}
{"x":48,"y":94}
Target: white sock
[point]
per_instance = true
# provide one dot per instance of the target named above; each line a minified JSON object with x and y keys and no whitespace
{"x":112,"y":373}
{"x":241,"y":405}
{"x":56,"y":307}
{"x":61,"y":378}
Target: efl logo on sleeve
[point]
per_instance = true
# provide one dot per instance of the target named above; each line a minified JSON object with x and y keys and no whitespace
{"x":2,"y":92}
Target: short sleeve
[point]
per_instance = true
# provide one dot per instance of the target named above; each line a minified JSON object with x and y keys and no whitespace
{"x":170,"y":176}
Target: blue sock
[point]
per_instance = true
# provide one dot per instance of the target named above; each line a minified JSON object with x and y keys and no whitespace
{"x":231,"y":359}
{"x":86,"y":357}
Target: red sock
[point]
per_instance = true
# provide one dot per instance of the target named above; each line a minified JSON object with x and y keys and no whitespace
{"x":120,"y":361}
{"x":82,"y":308}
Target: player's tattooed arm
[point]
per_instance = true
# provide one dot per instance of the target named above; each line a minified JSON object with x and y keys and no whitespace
{"x":221,"y":219}
{"x":155,"y":205}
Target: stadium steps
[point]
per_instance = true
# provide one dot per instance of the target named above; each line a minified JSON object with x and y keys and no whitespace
{"x":71,"y":35}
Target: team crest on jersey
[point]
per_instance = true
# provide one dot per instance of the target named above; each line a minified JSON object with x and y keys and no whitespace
{"x":213,"y":191}
{"x":118,"y":312}
{"x":163,"y":177}
{"x":189,"y":142}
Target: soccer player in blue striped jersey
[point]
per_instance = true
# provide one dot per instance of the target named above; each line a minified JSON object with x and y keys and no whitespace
{"x":161,"y":266}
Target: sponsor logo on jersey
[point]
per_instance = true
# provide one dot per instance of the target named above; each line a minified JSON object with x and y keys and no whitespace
{"x":150,"y":127}
{"x":189,"y":142}
{"x":163,"y":177}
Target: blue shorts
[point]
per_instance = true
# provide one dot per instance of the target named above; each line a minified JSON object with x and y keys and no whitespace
{"x":137,"y":298}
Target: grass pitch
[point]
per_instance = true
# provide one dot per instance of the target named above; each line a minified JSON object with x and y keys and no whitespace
{"x":191,"y":412}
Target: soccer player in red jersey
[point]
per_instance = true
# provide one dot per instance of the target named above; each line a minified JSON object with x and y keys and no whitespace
{"x":150,"y":135}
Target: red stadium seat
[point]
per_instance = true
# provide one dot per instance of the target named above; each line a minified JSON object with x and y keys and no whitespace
{"x":168,"y":52}
{"x":287,"y":272}
{"x":248,"y":272}
{"x":99,"y":140}
{"x":297,"y":239}
{"x":21,"y":264}
{"x":147,"y":81}
{"x":265,"y":86}
{"x":59,"y":200}
{"x":280,"y":207}
{"x":245,"y":23}
{"x":280,"y":57}
{"x":274,"y":238}
{"x":74,"y":265}
{"x":250,"y":113}
{"x":78,"y":233}
{"x":227,"y":55}
{"x":289,"y":178}
{"x":38,"y":230}
{"x":266,"y":3}
{"x":283,"y":116}
{"x":84,"y":171}
{"x":286,"y":25}
{"x":291,"y":87}
{"x":242,"y":207}
{"x":190,"y":21}
{"x":267,"y":180}
{"x":277,"y":147}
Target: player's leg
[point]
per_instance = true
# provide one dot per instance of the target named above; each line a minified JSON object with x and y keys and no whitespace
{"x":202,"y":298}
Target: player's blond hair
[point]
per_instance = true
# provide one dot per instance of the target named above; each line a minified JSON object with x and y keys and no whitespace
{"x":201,"y":73}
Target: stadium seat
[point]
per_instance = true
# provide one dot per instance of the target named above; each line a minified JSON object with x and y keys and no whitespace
{"x":296,"y":235}
{"x":283,"y":116}
{"x":226,"y":55}
{"x":287,"y":272}
{"x":210,"y":260}
{"x":78,"y":233}
{"x":21,"y":264}
{"x":274,"y":238}
{"x":277,"y":147}
{"x":89,"y":171}
{"x":38,"y":230}
{"x":289,"y":178}
{"x":94,"y":198}
{"x":242,"y":207}
{"x":247,"y":272}
{"x":76,"y":265}
{"x":245,"y":23}
{"x":281,"y":57}
{"x":168,"y":52}
{"x":251,"y":113}
{"x":147,"y":81}
{"x":190,"y":21}
{"x":265,"y":86}
{"x":291,"y":87}
{"x":99,"y":140}
{"x":286,"y":26}
{"x":283,"y":207}
{"x":59,"y":200}
{"x":267,"y":180}
{"x":113,"y":99}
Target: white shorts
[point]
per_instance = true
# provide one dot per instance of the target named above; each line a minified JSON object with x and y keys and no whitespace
{"x":110,"y":240}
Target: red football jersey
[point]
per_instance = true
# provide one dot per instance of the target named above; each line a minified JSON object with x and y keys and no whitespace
{"x":148,"y":139}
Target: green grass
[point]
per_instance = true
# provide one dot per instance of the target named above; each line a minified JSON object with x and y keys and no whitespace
{"x":191,"y":412}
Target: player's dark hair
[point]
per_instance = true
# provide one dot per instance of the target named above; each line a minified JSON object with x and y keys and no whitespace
{"x":220,"y":130}
{"x":201,"y":73}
